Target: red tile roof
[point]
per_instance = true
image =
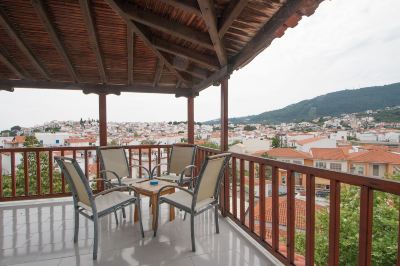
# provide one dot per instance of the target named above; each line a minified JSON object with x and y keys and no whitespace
{"x":284,"y":152}
{"x":329,"y":154}
{"x":78,"y":140}
{"x":310,"y":140}
{"x":375,"y":156}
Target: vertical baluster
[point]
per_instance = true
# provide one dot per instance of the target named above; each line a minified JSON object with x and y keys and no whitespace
{"x":275,"y":209}
{"x":261,"y":213}
{"x":130,"y":161}
{"x":74,"y":154}
{"x":51,"y":172}
{"x":310,"y":219}
{"x":398,"y":241}
{"x":242,"y":195}
{"x":26,"y":175}
{"x":38,"y":174}
{"x":86,"y":164}
{"x":234,"y":188}
{"x":251,"y":196}
{"x":334,"y":222}
{"x":158,"y":161}
{"x":365,"y":234}
{"x":62,"y":176}
{"x":13,"y":178}
{"x":150,"y":158}
{"x":140,"y":162}
{"x":99,"y":183}
{"x":290,"y":216}
{"x":1,"y":175}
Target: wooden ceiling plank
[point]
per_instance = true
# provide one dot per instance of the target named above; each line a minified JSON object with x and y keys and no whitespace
{"x":204,"y":60}
{"x":10,"y":63}
{"x":51,"y":30}
{"x":208,"y":14}
{"x":131,"y":50}
{"x":5,"y":22}
{"x":94,"y":40}
{"x":93,"y":88}
{"x":194,"y":71}
{"x":158,"y":73}
{"x":168,"y":26}
{"x":266,"y":34}
{"x":186,"y":5}
{"x":144,"y":37}
{"x":234,"y":9}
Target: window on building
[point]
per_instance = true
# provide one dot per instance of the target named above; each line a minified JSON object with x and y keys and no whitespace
{"x":375,"y":170}
{"x":57,"y":141}
{"x":285,"y":161}
{"x":283,"y":180}
{"x":320,"y":165}
{"x":297,"y":162}
{"x":336,"y":166}
{"x":360,"y":169}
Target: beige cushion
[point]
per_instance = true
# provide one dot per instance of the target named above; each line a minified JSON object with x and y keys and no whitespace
{"x":209,"y":178}
{"x":181,"y":157}
{"x":78,"y":183}
{"x":104,"y":202}
{"x":172,"y":178}
{"x":185,"y":199}
{"x":114,"y":160}
{"x":129,"y":181}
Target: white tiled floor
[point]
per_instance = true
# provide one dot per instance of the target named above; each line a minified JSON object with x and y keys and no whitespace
{"x":41,"y":232}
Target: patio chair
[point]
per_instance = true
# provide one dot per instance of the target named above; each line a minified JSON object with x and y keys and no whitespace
{"x":203,"y":197}
{"x":115,"y":168}
{"x":180,"y":167}
{"x":95,"y":206}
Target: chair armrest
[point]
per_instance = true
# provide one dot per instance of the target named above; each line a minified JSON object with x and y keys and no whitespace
{"x":141,"y":166}
{"x":101,"y":179}
{"x":184,"y":170}
{"x":174,"y":186}
{"x":111,"y":172}
{"x":154,"y":168}
{"x":118,"y":188}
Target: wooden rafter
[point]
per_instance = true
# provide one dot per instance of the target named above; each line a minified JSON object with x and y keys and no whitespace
{"x":232,"y":12}
{"x":158,"y":73}
{"x":214,"y":78}
{"x":186,"y":5}
{"x":194,"y":71}
{"x":131,"y":49}
{"x":204,"y":60}
{"x":87,"y":15}
{"x":168,"y":26}
{"x":208,"y":13}
{"x":93,"y":88}
{"x":140,"y":31}
{"x":51,"y":30}
{"x":10,"y":63}
{"x":5,"y":22}
{"x":266,"y":34}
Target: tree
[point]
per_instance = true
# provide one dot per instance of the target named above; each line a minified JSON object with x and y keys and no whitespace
{"x":211,"y":145}
{"x":276,"y":142}
{"x":384,"y":231}
{"x":249,"y":128}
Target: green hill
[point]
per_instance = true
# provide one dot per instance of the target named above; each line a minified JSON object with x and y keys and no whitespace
{"x":331,"y":104}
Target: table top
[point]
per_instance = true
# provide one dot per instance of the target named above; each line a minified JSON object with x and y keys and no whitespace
{"x":146,"y":188}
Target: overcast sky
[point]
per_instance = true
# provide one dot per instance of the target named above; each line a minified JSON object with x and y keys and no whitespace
{"x":344,"y":45}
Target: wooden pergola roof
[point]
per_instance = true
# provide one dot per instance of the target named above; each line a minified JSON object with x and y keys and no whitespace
{"x":161,"y":46}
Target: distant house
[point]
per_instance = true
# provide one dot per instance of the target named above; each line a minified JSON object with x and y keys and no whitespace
{"x":16,"y":142}
{"x":80,"y":142}
{"x":306,"y":145}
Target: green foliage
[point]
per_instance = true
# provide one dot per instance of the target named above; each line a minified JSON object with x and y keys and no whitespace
{"x":148,"y":142}
{"x":331,"y":104}
{"x":391,"y":116}
{"x":385,"y":229}
{"x":276,"y":142}
{"x":211,"y":145}
{"x":249,"y":128}
{"x":234,"y":143}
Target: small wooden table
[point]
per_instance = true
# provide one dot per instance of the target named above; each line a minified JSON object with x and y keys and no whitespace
{"x":144,"y":188}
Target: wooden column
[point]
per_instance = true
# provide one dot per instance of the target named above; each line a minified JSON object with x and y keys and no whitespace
{"x":224,"y":115}
{"x":190,"y":110}
{"x":103,"y":119}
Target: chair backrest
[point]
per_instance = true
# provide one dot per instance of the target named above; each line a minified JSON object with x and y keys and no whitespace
{"x":76,"y":179}
{"x":113,"y":159}
{"x":181,"y":156}
{"x":210,"y":177}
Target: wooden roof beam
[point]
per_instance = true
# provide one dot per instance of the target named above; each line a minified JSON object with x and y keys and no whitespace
{"x":168,"y":26}
{"x":93,"y":88}
{"x":131,"y":50}
{"x":44,"y":17}
{"x":5,"y":22}
{"x":87,"y":15}
{"x":194,"y":71}
{"x":159,"y":70}
{"x":186,"y":5}
{"x":10,"y":63}
{"x":266,"y":34}
{"x":232,"y":12}
{"x":204,"y":60}
{"x":208,"y":13}
{"x":140,"y":31}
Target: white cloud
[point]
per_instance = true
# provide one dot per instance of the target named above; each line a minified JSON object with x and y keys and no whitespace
{"x":344,"y":45}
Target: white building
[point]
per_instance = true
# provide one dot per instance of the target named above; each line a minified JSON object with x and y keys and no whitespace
{"x":52,"y":139}
{"x":320,"y":142}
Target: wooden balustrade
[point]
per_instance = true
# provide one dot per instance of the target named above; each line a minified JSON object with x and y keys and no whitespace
{"x":245,"y":181}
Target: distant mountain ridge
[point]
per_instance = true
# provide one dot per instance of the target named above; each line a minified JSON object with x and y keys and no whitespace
{"x":331,"y":104}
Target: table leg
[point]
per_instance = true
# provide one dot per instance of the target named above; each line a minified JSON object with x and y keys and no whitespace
{"x":154,"y":206}
{"x":136,"y":215}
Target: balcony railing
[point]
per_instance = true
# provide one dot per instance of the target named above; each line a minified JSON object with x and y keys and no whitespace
{"x":245,"y":186}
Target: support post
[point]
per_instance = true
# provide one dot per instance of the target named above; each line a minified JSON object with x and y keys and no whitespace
{"x":103,"y":119}
{"x":224,"y":144}
{"x":190,"y":127}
